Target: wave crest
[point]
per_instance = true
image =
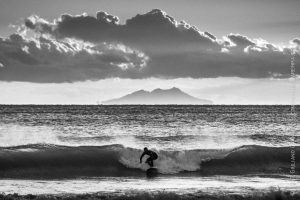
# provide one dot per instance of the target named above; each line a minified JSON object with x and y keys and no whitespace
{"x":52,"y":161}
{"x":172,"y":162}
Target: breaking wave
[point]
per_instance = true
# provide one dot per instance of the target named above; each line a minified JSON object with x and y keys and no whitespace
{"x":53,"y":161}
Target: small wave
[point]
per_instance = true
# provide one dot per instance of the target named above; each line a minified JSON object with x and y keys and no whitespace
{"x":276,"y":139}
{"x":253,"y":159}
{"x":167,"y":138}
{"x":53,"y":161}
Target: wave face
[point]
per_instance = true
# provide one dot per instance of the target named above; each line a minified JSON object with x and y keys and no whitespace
{"x":52,"y":161}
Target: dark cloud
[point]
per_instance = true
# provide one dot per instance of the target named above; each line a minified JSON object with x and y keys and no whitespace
{"x":210,"y":35}
{"x":82,"y":47}
{"x":152,"y":32}
{"x":296,"y":41}
{"x":240,"y":40}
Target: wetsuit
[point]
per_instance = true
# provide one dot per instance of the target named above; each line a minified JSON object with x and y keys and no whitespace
{"x":152,"y":156}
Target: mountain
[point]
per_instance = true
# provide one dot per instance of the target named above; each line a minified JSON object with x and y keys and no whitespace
{"x":158,"y":96}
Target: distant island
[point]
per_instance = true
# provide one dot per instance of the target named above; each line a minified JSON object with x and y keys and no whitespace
{"x":158,"y":96}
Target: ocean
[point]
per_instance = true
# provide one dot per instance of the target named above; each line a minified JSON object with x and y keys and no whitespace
{"x":95,"y":149}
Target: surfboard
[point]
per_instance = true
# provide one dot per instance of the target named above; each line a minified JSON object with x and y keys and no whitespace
{"x":152,"y":172}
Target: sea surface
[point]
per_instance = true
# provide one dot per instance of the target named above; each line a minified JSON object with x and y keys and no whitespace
{"x":76,"y":149}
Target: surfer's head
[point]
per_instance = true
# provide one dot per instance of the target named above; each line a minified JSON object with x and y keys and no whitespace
{"x":145,"y":149}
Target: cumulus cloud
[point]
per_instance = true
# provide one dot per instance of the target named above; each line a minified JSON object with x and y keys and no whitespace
{"x":48,"y":60}
{"x":153,"y":32}
{"x":240,"y":40}
{"x":82,"y":47}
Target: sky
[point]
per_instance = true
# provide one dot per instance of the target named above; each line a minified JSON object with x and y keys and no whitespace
{"x":84,"y":52}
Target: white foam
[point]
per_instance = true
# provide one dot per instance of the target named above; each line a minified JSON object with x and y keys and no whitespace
{"x":170,"y":162}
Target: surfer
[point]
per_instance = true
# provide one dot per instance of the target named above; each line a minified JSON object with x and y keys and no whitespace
{"x":152,"y":156}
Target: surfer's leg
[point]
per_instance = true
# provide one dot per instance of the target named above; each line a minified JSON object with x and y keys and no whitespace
{"x":153,"y":158}
{"x":149,"y":161}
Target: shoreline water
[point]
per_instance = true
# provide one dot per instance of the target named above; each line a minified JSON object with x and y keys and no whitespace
{"x":270,"y":195}
{"x":241,"y":185}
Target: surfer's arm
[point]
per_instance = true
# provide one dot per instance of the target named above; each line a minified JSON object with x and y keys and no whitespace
{"x":142,"y":157}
